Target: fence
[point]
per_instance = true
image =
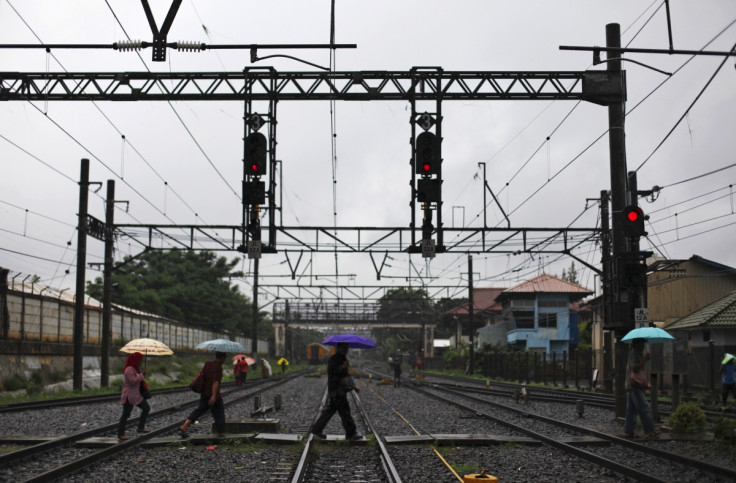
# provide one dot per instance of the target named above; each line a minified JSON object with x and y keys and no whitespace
{"x":31,"y":315}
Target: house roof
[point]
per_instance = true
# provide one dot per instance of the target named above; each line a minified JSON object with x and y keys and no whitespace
{"x":721,"y":313}
{"x":545,"y":283}
{"x":695,"y":258}
{"x":484,"y":300}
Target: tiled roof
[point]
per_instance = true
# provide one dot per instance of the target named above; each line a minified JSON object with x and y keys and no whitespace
{"x":483,"y":300}
{"x":548,"y":284}
{"x":721,"y":313}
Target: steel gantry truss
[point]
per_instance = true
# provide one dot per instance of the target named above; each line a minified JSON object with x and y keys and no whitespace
{"x":268,"y":84}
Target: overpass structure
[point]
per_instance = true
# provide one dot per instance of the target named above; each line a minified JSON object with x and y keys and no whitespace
{"x":346,"y":317}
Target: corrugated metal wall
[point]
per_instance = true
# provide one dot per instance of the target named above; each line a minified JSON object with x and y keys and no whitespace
{"x":34,"y":317}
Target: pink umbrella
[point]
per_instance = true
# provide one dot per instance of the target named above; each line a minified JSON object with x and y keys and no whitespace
{"x":248,"y":359}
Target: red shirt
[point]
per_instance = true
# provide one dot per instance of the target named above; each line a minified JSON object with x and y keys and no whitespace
{"x":211,"y":372}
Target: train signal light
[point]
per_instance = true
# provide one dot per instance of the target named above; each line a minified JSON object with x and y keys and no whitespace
{"x":256,"y":146}
{"x":254,"y":192}
{"x":633,"y":221}
{"x":428,"y":190}
{"x":427,"y":154}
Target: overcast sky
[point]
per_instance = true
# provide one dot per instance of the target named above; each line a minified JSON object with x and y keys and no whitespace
{"x":196,"y":148}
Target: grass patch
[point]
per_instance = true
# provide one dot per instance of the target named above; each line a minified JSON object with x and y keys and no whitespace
{"x":9,"y":448}
{"x":465,"y":469}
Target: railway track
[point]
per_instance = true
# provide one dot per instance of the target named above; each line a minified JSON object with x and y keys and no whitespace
{"x":71,"y":459}
{"x":551,"y":394}
{"x":519,"y":420}
{"x":373,"y":463}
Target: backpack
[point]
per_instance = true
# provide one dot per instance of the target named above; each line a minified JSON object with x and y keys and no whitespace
{"x":197,"y":384}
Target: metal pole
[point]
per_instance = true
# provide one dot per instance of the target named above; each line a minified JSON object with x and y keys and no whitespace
{"x":4,"y":314}
{"x":254,"y":327}
{"x":470,"y":311}
{"x":81,"y":264}
{"x":617,"y":150}
{"x":107,"y":285}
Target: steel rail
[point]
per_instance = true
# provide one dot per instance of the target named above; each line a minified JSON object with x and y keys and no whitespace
{"x":98,"y":456}
{"x":673,"y":457}
{"x":72,"y":401}
{"x":301,"y":467}
{"x":48,"y":445}
{"x":388,"y":464}
{"x":605,"y":401}
{"x":598,"y":460}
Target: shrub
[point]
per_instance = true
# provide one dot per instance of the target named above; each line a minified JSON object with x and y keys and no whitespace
{"x":15,"y":383}
{"x":724,"y":430}
{"x":688,"y":418}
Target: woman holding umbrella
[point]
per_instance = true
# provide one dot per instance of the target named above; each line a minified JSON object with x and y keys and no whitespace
{"x":636,"y":400}
{"x":131,"y":396}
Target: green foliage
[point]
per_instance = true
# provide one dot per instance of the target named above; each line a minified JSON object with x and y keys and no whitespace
{"x":446,"y":325}
{"x":15,"y":383}
{"x":184,"y":285}
{"x":724,"y":430}
{"x":571,"y":275}
{"x":688,"y":418}
{"x":455,"y":359}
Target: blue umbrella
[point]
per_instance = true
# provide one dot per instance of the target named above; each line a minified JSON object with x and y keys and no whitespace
{"x":221,"y":345}
{"x":652,"y":335}
{"x":353,"y":341}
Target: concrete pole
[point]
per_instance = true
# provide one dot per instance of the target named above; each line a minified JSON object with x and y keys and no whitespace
{"x":254,"y":327}
{"x":470,"y":312}
{"x":107,"y":285}
{"x":617,"y":151}
{"x":78,"y":334}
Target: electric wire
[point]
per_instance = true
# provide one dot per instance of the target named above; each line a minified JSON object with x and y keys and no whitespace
{"x":176,"y":113}
{"x":687,"y":111}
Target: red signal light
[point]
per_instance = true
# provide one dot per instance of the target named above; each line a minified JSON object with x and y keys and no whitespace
{"x":633,"y":214}
{"x":426,"y":167}
{"x":633,"y":222}
{"x":254,"y":168}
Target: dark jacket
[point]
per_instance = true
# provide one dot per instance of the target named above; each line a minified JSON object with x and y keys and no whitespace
{"x":335,"y":373}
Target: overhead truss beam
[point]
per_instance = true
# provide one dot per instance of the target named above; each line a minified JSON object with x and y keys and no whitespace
{"x":268,"y":84}
{"x":378,"y":240}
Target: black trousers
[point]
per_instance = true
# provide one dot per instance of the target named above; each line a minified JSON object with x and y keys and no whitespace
{"x":127,"y":409}
{"x":337,"y":404}
{"x":218,"y":412}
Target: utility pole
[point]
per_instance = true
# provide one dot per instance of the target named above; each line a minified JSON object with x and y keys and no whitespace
{"x":617,"y":150}
{"x":81,"y":264}
{"x":608,"y":291}
{"x":254,"y":327}
{"x":107,"y":285}
{"x":470,"y":313}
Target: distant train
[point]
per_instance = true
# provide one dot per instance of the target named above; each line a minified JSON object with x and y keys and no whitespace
{"x":319,"y":353}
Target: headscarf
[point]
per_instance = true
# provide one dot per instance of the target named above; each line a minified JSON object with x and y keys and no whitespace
{"x":134,"y":361}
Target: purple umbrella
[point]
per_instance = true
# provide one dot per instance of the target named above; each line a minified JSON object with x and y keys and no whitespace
{"x":353,"y":341}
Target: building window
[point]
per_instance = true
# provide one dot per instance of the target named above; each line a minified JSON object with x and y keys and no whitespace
{"x":523,"y":319}
{"x":552,"y":303}
{"x":522,"y":302}
{"x":548,"y":320}
{"x":706,"y":335}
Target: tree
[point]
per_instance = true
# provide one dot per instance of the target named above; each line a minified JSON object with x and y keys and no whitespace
{"x":571,"y":275}
{"x":403,"y":305}
{"x":184,"y":285}
{"x":446,"y":325}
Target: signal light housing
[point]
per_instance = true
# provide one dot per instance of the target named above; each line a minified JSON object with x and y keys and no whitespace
{"x":256,"y":147}
{"x":427,"y":154}
{"x":633,"y":221}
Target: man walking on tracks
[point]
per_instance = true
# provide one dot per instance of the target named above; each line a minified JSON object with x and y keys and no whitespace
{"x":211,"y":397}
{"x":339,"y":384}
